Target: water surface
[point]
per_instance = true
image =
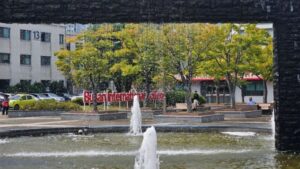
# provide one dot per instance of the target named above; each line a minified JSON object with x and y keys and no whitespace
{"x":117,"y":151}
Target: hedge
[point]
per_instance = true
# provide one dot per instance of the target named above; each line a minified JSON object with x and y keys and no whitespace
{"x":49,"y":105}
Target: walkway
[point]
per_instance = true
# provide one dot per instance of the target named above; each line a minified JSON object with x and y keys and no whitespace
{"x":7,"y":124}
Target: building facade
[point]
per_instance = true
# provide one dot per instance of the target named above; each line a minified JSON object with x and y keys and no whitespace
{"x":27,"y":53}
{"x":253,"y":88}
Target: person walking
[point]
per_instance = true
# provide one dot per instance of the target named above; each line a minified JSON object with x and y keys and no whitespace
{"x":5,"y":105}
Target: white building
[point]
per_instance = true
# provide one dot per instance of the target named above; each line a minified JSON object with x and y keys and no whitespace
{"x":253,"y":88}
{"x":27,"y":53}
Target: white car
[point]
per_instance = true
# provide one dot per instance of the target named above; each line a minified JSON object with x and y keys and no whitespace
{"x":76,"y":97}
{"x":55,"y":97}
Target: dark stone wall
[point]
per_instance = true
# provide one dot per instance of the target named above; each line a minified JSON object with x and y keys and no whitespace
{"x":97,"y":11}
{"x":285,"y":14}
{"x":287,"y":84}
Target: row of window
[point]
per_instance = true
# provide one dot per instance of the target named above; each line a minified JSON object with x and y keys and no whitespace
{"x":4,"y":83}
{"x":26,"y":35}
{"x":252,"y":88}
{"x":25,"y":59}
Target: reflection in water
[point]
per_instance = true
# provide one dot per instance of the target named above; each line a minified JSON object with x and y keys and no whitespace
{"x":117,"y":151}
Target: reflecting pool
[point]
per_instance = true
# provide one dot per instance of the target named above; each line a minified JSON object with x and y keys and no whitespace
{"x":212,"y":150}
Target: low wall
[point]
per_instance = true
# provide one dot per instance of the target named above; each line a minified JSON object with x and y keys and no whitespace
{"x":188,"y":119}
{"x":93,"y":116}
{"x":13,"y":114}
{"x":241,"y":114}
{"x":146,"y":114}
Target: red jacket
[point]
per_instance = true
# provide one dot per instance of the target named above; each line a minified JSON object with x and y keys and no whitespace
{"x":5,"y":104}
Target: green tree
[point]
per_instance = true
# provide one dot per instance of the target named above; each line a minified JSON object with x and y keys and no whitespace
{"x":234,"y":47}
{"x":187,"y":45}
{"x":260,"y":58}
{"x":89,"y":63}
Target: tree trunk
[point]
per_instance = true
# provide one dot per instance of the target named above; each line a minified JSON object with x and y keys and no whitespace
{"x":265,"y":97}
{"x":94,"y":94}
{"x":165,"y":92}
{"x":188,"y":95}
{"x":148,"y":90}
{"x":243,"y":93}
{"x":94,"y":100}
{"x":218,"y":93}
{"x":232,"y":94}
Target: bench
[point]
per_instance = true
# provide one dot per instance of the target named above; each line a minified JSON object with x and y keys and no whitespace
{"x":181,"y":106}
{"x":265,"y":106}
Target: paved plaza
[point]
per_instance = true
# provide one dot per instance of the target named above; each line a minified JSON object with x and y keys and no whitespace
{"x":7,"y":124}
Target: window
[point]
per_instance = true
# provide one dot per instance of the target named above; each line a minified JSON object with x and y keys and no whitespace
{"x":68,"y":46}
{"x":25,"y":59}
{"x":45,"y":37}
{"x":46,"y":82}
{"x":61,"y":39}
{"x":4,"y":58}
{"x":4,"y":32}
{"x":25,"y":82}
{"x":45,"y":60}
{"x":254,"y":88}
{"x":29,"y":97}
{"x":25,"y":35}
{"x":4,"y":84}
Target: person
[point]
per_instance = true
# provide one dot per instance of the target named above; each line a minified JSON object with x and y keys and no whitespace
{"x":251,"y":102}
{"x":5,"y":105}
{"x":196,"y":96}
{"x":195,"y":104}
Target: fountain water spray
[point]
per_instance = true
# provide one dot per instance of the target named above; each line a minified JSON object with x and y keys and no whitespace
{"x":147,"y":157}
{"x":136,"y":117}
{"x":273,"y":124}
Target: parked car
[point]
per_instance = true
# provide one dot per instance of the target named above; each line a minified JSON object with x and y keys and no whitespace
{"x":55,"y":97}
{"x":67,"y":96}
{"x":1,"y":100}
{"x":78,"y":96}
{"x":41,"y":96}
{"x":19,"y":99}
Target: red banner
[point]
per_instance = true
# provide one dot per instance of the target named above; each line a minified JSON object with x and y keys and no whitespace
{"x":121,"y":97}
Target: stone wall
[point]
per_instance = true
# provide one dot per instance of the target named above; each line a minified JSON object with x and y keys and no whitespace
{"x":283,"y":13}
{"x":97,"y":11}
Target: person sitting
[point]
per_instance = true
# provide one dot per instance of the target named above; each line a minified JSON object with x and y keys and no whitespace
{"x":251,"y":101}
{"x":195,"y":104}
{"x":195,"y":96}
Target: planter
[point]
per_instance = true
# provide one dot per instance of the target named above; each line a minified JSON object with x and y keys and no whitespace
{"x":188,"y":119}
{"x":94,"y":116}
{"x":146,"y":114}
{"x":241,"y":114}
{"x":13,"y":114}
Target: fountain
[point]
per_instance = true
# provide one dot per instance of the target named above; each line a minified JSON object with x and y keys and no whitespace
{"x":273,"y":124}
{"x":136,"y":117}
{"x":147,"y":157}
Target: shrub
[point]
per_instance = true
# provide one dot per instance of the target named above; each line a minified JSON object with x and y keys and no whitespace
{"x":49,"y":105}
{"x":174,"y":97}
{"x":78,"y":101}
{"x":202,"y":100}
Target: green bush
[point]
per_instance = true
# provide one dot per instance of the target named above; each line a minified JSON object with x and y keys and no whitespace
{"x":78,"y":101}
{"x":49,"y":105}
{"x":174,"y":97}
{"x":202,"y":100}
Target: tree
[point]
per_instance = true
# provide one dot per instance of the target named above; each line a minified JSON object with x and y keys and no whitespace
{"x":234,"y":47}
{"x":260,"y":58}
{"x":89,"y":63}
{"x":139,"y":43}
{"x":187,"y":45}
